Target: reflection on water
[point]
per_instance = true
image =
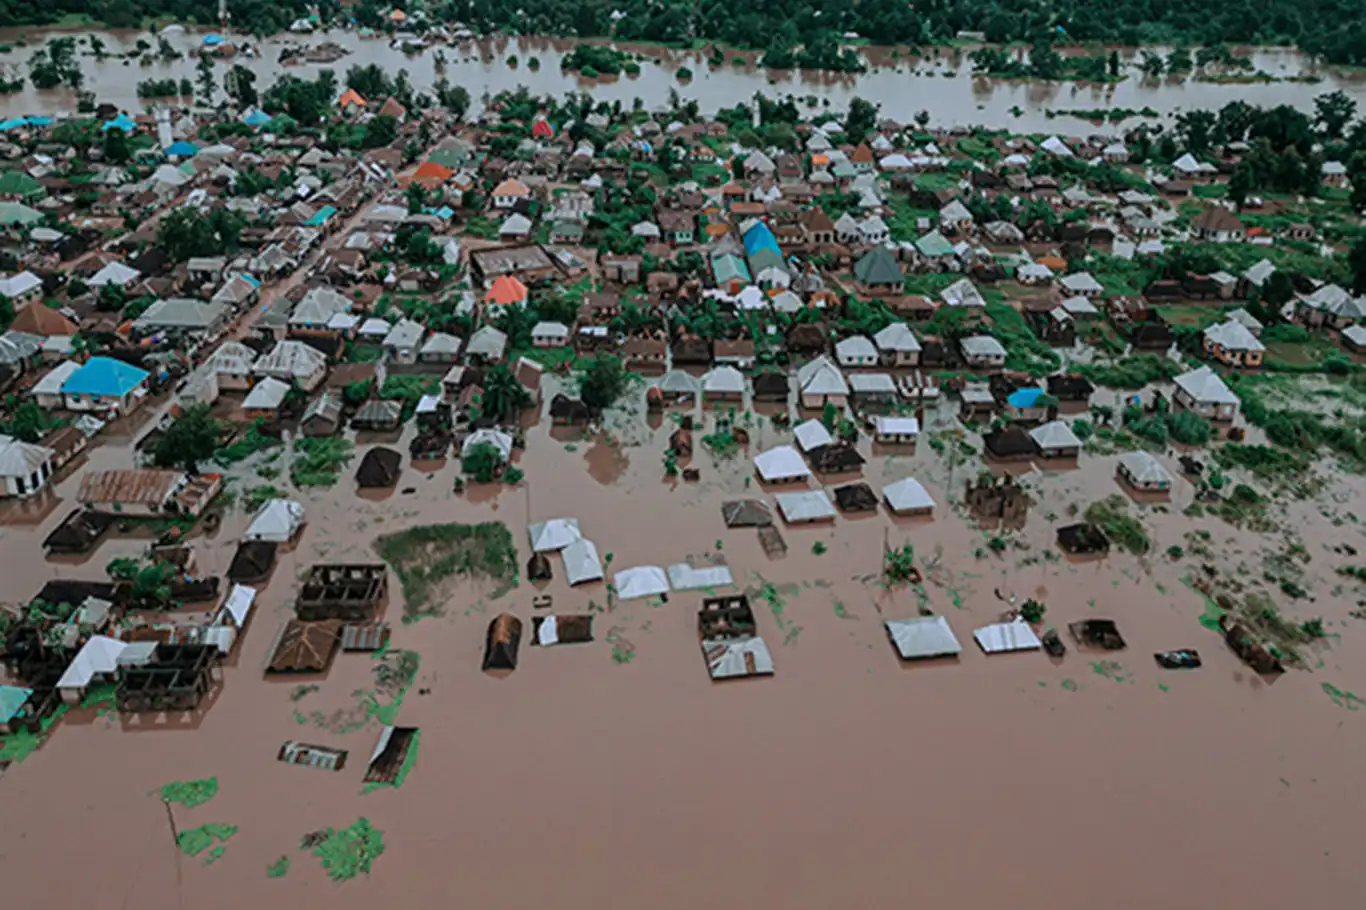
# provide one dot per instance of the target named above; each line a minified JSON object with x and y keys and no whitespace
{"x":940,"y":83}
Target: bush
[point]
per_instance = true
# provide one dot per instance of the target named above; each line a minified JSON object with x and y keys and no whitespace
{"x":1084,"y":429}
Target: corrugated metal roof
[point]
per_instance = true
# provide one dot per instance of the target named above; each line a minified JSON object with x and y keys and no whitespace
{"x":369,"y":636}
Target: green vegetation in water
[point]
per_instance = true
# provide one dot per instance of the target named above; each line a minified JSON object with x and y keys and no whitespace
{"x":247,"y":444}
{"x":350,"y":851}
{"x":1342,"y":699}
{"x":1112,"y":516}
{"x":818,"y":548}
{"x":195,"y":841}
{"x":190,"y":793}
{"x":1110,"y":669}
{"x":318,"y":461}
{"x":279,"y":868}
{"x":1024,"y":350}
{"x":255,"y":497}
{"x":776,"y":599}
{"x":299,"y":692}
{"x":1130,"y":373}
{"x":409,"y":760}
{"x":1070,"y":685}
{"x":841,"y":611}
{"x":424,"y":557}
{"x":19,"y":746}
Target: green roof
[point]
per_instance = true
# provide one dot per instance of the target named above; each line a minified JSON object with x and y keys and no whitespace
{"x":729,"y":267}
{"x":934,"y":244}
{"x":878,"y":266}
{"x":17,"y":183}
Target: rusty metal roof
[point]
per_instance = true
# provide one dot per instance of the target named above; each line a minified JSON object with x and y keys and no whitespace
{"x":134,"y":486}
{"x":364,"y":636}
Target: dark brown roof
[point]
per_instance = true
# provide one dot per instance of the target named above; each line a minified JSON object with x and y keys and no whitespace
{"x":305,"y":647}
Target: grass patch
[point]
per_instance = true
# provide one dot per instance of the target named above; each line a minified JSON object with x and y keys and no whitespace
{"x":190,"y":793}
{"x":245,"y":445}
{"x":1132,"y":372}
{"x":426,"y":557}
{"x":257,"y":496}
{"x":350,"y":851}
{"x":195,"y":841}
{"x":19,"y":746}
{"x":279,"y":868}
{"x":1112,"y":516}
{"x":1024,"y":350}
{"x":318,"y":462}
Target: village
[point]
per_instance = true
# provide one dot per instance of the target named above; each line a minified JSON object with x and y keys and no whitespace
{"x":274,"y":400}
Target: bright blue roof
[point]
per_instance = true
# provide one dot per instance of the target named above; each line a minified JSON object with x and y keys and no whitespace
{"x":121,"y":122}
{"x":321,"y":215}
{"x":1024,"y":398}
{"x":39,"y":121}
{"x":213,"y":39}
{"x":183,"y":149}
{"x":760,"y":237}
{"x":12,"y":124}
{"x":257,"y":117}
{"x":445,"y":213}
{"x":104,"y":376}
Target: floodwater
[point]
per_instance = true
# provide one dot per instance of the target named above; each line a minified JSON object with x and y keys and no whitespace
{"x":845,"y":779}
{"x":941,"y":83}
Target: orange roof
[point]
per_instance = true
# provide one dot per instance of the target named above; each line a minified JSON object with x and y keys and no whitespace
{"x":350,"y":97}
{"x":1055,"y":263}
{"x":505,"y":290}
{"x":863,"y":154}
{"x":512,"y":187}
{"x":430,"y":170}
{"x":820,"y":159}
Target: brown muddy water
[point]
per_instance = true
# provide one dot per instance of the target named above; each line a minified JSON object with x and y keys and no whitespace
{"x":847,"y":779}
{"x":941,"y":83}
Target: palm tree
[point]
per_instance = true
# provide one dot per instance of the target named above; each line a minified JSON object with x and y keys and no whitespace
{"x":504,"y":396}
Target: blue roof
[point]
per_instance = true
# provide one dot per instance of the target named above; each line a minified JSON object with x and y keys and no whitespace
{"x":121,"y":122}
{"x":14,"y":123}
{"x":1024,"y":398}
{"x":213,"y":38}
{"x":39,"y":121}
{"x":12,"y":699}
{"x":105,"y":377}
{"x":320,"y":216}
{"x":257,"y":117}
{"x":445,"y":213}
{"x":760,"y":237}
{"x":183,"y":149}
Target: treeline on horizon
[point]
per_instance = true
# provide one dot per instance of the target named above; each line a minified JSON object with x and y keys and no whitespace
{"x":1332,"y":29}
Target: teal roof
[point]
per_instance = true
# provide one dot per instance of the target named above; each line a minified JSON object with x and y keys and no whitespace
{"x":729,"y":267}
{"x":321,"y":216}
{"x":105,"y":377}
{"x":759,"y":238}
{"x":877,"y":267}
{"x":182,"y":149}
{"x":18,"y":213}
{"x":12,"y":700}
{"x":934,"y":244}
{"x":121,"y":122}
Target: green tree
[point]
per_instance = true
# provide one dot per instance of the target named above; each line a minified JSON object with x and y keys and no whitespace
{"x":601,"y":382}
{"x":1356,"y":263}
{"x":380,"y":131}
{"x":1332,"y":112}
{"x":1152,"y":65}
{"x":417,"y":198}
{"x":191,"y":438}
{"x":483,"y":462}
{"x":240,"y":84}
{"x":115,"y":146}
{"x":204,"y":79}
{"x":503,"y":397}
{"x":27,"y":421}
{"x":861,"y":119}
{"x":1240,"y":185}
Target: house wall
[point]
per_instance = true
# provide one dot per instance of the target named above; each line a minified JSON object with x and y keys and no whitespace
{"x":817,"y":402}
{"x":100,"y":402}
{"x":895,"y":438}
{"x":19,"y":487}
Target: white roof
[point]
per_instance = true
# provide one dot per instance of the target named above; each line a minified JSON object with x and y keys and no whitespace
{"x":232,"y":357}
{"x":896,"y":426}
{"x":546,"y":329}
{"x":1204,"y":385}
{"x":1144,"y":467}
{"x":1054,"y":435}
{"x":487,"y":341}
{"x":21,"y":459}
{"x":923,"y":637}
{"x":730,"y":658}
{"x":855,"y":346}
{"x":781,"y":463}
{"x":1233,"y":336}
{"x":1057,"y":147}
{"x":751,"y":298}
{"x":375,"y":326}
{"x":1355,"y":334}
{"x":516,"y":224}
{"x":1007,"y":636}
{"x":496,"y":438}
{"x":683,"y":577}
{"x":897,"y":337}
{"x":811,"y":434}
{"x":1259,"y":272}
{"x":1033,"y":270}
{"x":954,"y":212}
{"x":552,"y":535}
{"x":52,"y":383}
{"x":677,"y":382}
{"x":239,"y":603}
{"x":99,"y":655}
{"x":266,"y":395}
{"x":640,"y":581}
{"x":405,"y":334}
{"x":1079,"y":306}
{"x":17,"y":285}
{"x":581,"y":562}
{"x":805,"y":505}
{"x":724,"y":379}
{"x":907,"y":495}
{"x":113,"y":273}
{"x":821,"y":377}
{"x":872,"y":383}
{"x":962,"y":293}
{"x":276,"y":521}
{"x":290,"y":358}
{"x":982,"y":346}
{"x":1081,"y":282}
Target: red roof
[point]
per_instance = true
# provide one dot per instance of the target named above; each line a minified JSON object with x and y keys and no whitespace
{"x":541,"y":129}
{"x":505,"y":290}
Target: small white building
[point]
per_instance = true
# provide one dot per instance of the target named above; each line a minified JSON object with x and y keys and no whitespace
{"x":897,"y":346}
{"x":550,"y":335}
{"x":1203,"y":392}
{"x":856,"y":351}
{"x":983,"y":352}
{"x":896,"y":430}
{"x":25,"y":468}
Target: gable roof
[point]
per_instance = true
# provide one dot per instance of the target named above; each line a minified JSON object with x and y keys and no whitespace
{"x":105,"y":377}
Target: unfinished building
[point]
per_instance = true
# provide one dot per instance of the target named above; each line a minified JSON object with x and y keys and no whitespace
{"x":176,"y":678}
{"x":990,"y":498}
{"x":351,"y":593}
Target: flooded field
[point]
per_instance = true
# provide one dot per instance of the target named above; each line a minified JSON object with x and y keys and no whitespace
{"x":616,"y":773}
{"x":940,"y":83}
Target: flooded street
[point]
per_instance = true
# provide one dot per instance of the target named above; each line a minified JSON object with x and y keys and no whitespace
{"x":941,"y":83}
{"x":845,"y":775}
